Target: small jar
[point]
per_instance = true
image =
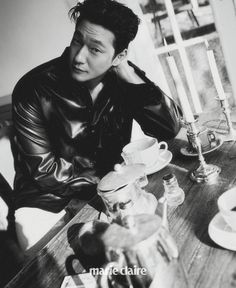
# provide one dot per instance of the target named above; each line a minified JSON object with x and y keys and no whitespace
{"x":173,"y":193}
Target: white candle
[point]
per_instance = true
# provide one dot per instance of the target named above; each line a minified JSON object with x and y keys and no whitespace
{"x":180,"y":90}
{"x":215,"y":75}
{"x":183,"y":56}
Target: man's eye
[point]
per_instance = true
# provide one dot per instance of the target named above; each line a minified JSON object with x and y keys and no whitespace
{"x":94,"y":50}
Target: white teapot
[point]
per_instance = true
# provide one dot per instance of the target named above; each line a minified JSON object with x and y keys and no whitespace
{"x":123,"y":194}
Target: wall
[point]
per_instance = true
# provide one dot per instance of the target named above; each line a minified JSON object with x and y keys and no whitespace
{"x":31,"y":32}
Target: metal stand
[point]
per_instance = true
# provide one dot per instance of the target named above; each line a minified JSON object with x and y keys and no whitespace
{"x":226,"y":110}
{"x":205,"y":172}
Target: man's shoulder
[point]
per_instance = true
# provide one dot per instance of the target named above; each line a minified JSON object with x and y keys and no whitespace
{"x":46,"y":73}
{"x":41,"y":72}
{"x":44,"y":68}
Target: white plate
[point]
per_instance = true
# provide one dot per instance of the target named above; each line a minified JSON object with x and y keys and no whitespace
{"x":187,"y":152}
{"x":221,"y":233}
{"x":161,"y":162}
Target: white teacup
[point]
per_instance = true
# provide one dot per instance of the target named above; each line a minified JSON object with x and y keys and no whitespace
{"x":226,"y":202}
{"x":145,"y":150}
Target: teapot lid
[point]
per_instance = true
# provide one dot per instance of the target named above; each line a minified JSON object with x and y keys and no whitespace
{"x":121,"y":176}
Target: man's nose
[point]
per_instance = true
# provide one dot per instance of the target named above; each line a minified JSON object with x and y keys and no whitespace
{"x":81,"y":54}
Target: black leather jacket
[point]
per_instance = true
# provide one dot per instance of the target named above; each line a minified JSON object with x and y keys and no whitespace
{"x":64,"y":144}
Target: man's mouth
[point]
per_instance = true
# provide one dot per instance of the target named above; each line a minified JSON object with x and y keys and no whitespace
{"x":77,"y":69}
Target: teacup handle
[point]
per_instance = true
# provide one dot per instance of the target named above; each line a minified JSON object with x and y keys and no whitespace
{"x":163,"y":150}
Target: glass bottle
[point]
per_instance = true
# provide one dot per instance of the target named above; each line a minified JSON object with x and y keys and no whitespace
{"x":173,"y":193}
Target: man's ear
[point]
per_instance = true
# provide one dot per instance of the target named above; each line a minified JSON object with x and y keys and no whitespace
{"x":119,"y":58}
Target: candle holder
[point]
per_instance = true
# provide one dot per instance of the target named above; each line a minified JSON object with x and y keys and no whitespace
{"x":205,"y":172}
{"x":231,"y":136}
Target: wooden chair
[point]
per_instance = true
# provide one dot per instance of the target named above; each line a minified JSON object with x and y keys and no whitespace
{"x":5,"y":203}
{"x":7,"y":174}
{"x":10,"y":254}
{"x":6,"y":158}
{"x":7,"y":171}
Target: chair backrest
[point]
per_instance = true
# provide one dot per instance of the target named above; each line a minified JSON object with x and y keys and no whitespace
{"x":7,"y":174}
{"x":6,"y":158}
{"x":5,"y":203}
{"x":3,"y":215}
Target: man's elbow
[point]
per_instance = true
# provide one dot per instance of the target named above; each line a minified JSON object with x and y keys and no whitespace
{"x":171,"y":132}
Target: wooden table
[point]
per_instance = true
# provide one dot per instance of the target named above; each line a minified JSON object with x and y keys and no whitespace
{"x":207,"y":264}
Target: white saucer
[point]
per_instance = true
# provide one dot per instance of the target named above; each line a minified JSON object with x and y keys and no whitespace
{"x":186,"y":151}
{"x":160,"y":163}
{"x":221,"y":233}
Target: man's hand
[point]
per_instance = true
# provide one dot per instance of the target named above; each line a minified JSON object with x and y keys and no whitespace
{"x":127,"y":73}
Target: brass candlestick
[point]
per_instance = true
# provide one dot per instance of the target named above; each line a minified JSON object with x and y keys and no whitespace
{"x":231,"y":136}
{"x":205,"y":172}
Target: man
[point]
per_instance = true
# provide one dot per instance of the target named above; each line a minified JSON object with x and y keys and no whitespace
{"x":73,"y":115}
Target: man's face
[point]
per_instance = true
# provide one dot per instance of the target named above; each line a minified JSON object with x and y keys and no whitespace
{"x":91,"y":53}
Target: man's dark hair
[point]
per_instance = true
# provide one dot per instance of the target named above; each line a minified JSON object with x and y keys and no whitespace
{"x":112,"y":15}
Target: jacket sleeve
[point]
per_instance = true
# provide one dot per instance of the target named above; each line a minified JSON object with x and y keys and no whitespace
{"x":35,"y":152}
{"x":158,"y":115}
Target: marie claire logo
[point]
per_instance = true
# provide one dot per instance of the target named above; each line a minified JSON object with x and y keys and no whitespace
{"x":118,"y":271}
